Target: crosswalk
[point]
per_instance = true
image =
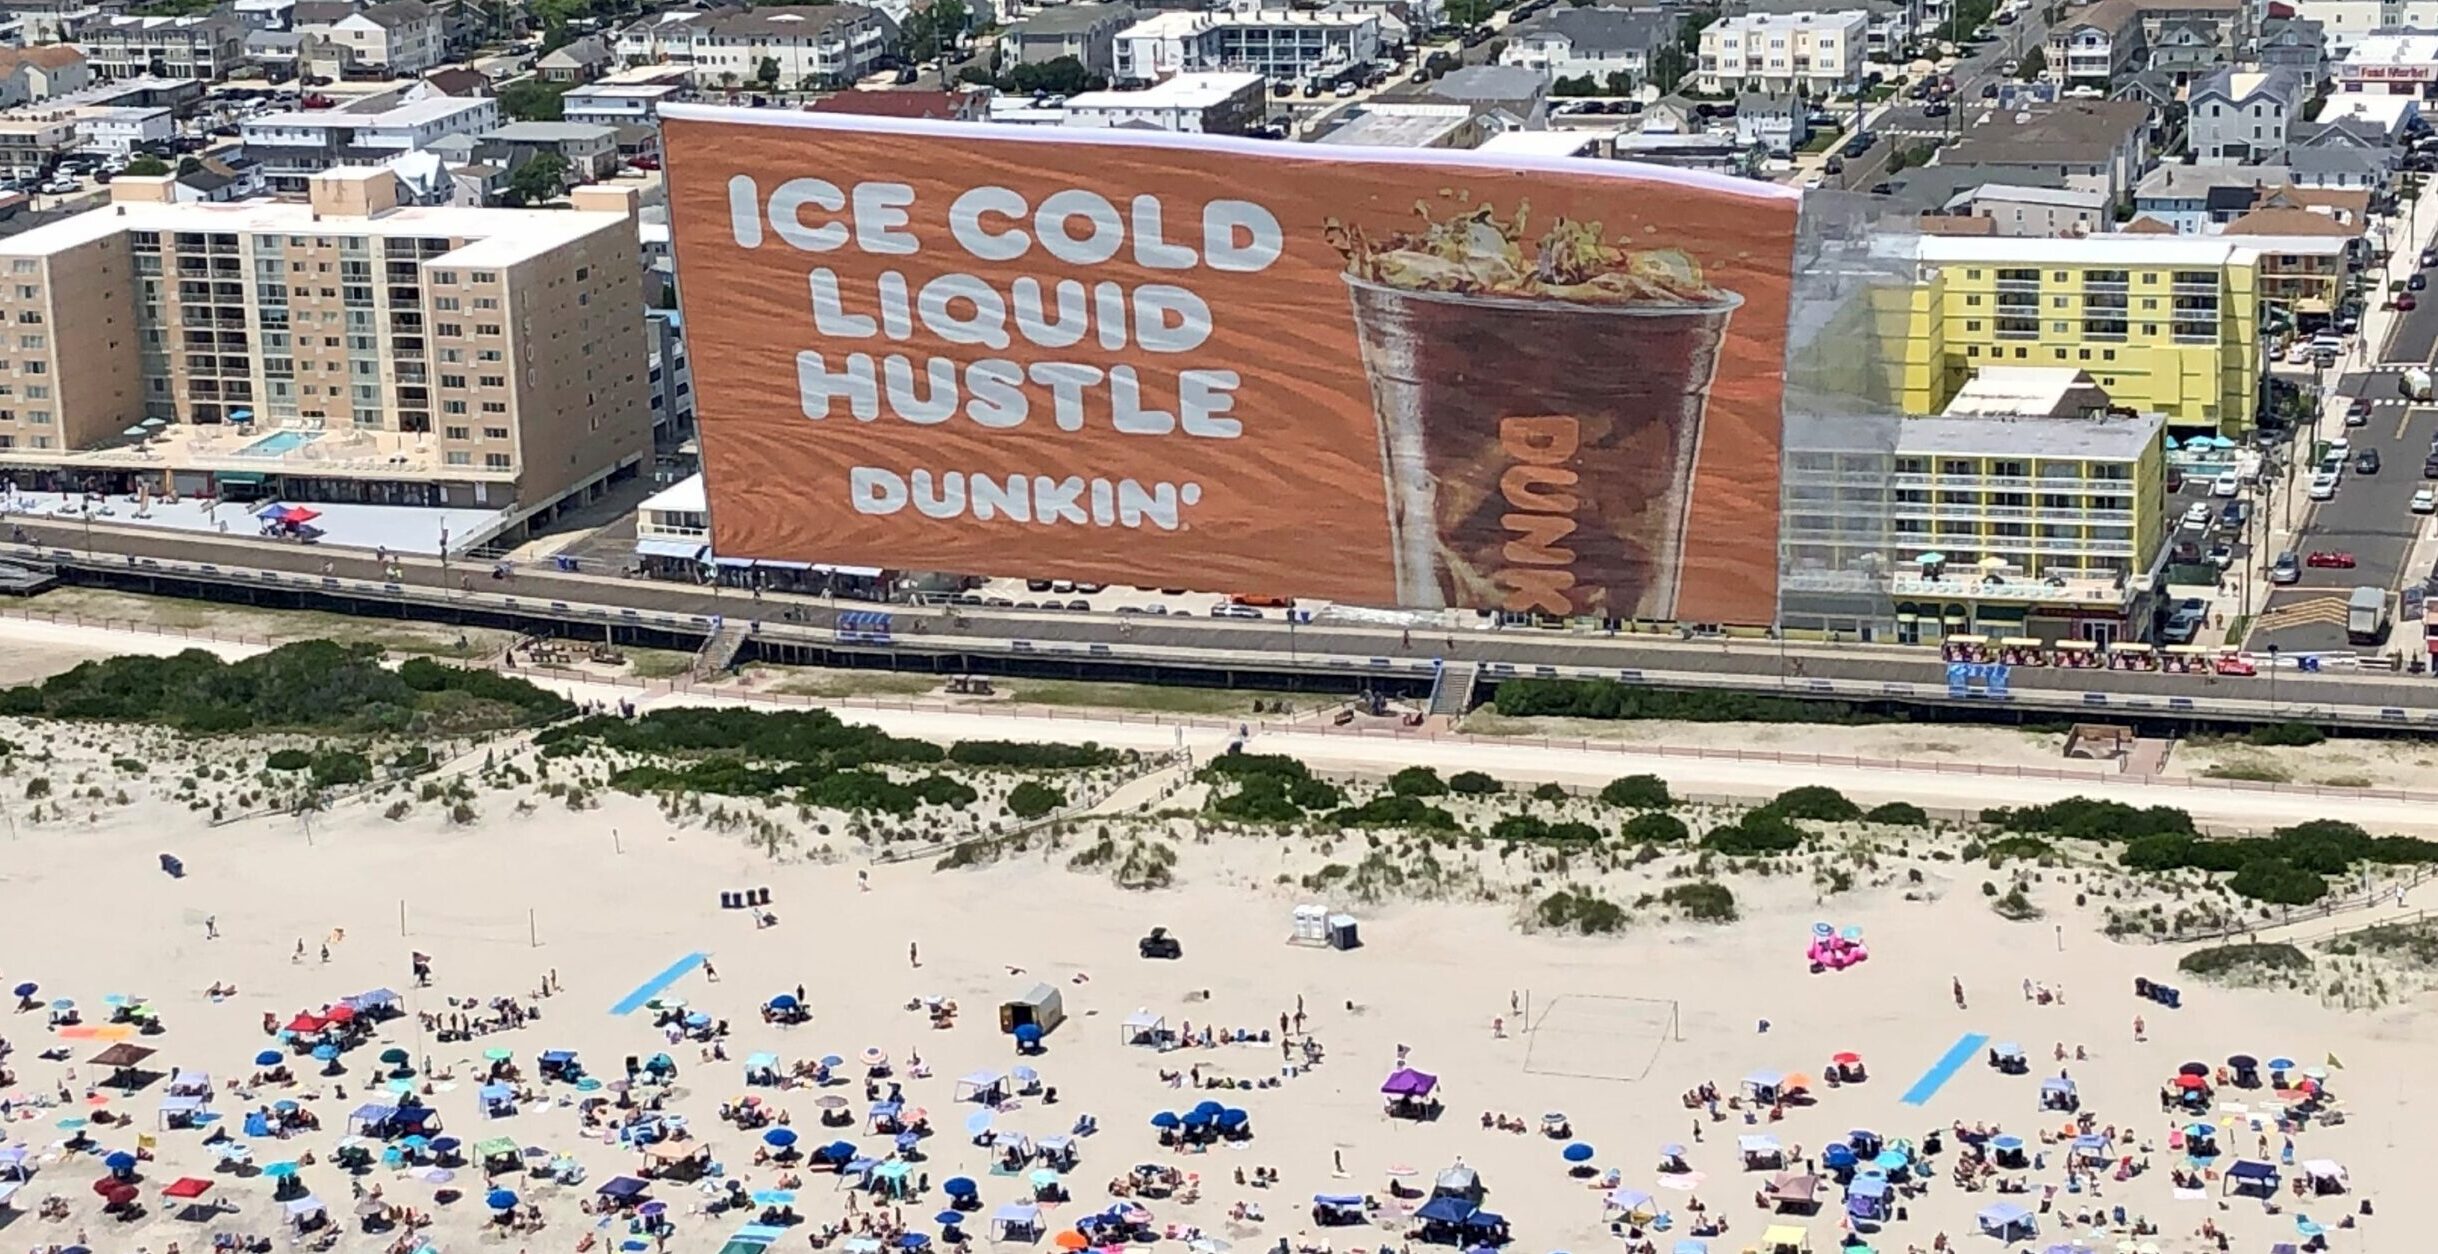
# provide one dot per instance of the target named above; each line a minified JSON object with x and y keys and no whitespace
{"x":2327,"y":610}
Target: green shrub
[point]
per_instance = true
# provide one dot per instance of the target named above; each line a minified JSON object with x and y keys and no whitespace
{"x":1417,"y":781}
{"x":940,"y":790}
{"x":1031,"y":800}
{"x":1638,"y":792}
{"x":412,"y":760}
{"x":1029,"y":756}
{"x":128,"y":765}
{"x":1656,"y":827}
{"x":1609,"y":699}
{"x":2284,"y":735}
{"x":1581,"y":911}
{"x":2225,"y":959}
{"x":1241,"y":765}
{"x":2278,"y":882}
{"x":1549,"y":792}
{"x":2086,"y":818}
{"x":335,"y":767}
{"x":1397,"y":811}
{"x":1704,"y":900}
{"x":1474,"y":784}
{"x":813,"y":738}
{"x":288,"y":760}
{"x":1815,"y":801}
{"x":1897,"y":814}
{"x":1759,"y":832}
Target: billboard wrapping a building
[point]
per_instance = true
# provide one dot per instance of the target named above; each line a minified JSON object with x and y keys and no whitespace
{"x":1420,"y":379}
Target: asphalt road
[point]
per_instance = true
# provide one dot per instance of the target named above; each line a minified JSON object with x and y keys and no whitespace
{"x":2371,"y":516}
{"x":1973,"y":71}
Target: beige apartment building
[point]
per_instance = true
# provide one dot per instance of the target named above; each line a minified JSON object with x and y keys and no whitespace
{"x":343,"y":349}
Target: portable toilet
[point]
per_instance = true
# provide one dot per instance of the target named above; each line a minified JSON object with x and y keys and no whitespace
{"x":1040,"y":1007}
{"x":1342,"y":933}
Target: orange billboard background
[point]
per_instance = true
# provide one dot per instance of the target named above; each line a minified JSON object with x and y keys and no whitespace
{"x":1143,"y":360}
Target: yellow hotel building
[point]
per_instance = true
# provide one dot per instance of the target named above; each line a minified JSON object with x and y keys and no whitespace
{"x":2166,"y":325}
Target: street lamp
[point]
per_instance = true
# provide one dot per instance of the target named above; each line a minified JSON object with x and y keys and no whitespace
{"x":2272,"y":679}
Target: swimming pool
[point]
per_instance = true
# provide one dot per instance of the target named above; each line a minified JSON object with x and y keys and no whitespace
{"x":278,"y":444}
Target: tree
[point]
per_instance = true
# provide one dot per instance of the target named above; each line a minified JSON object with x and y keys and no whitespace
{"x":1059,"y":76}
{"x":538,"y":180}
{"x":767,"y":74}
{"x":930,"y":32}
{"x":2035,"y":63}
{"x":147,"y":166}
{"x":1669,"y":65}
{"x":532,"y":100}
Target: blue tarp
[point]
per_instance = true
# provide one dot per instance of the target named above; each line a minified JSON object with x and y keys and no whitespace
{"x":1446,"y":1210}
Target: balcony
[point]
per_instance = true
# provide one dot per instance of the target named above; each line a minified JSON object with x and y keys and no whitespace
{"x":2193,"y":289}
{"x":2031,"y":286}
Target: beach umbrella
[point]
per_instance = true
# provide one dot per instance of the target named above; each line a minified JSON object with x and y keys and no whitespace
{"x":831,"y":1102}
{"x":64,"y":1003}
{"x":2242,"y":1062}
{"x":652,"y":1210}
{"x":875,"y":1056}
{"x":1025,"y":1075}
{"x":785,"y":1001}
{"x":400,"y":1086}
{"x":1042,"y":1176}
{"x":779,"y":1138}
{"x":27,"y":989}
{"x":2281,"y":1064}
{"x":1890,"y":1160}
{"x":833,"y":1060}
{"x":1165,"y":1119}
{"x":2193,"y":1068}
{"x":698,"y":1019}
{"x":1672,"y":1150}
{"x":1208,"y":1109}
{"x":268,"y":1058}
{"x":394,"y":1056}
{"x":844,"y":1151}
{"x":1071,"y":1240}
{"x":979,"y":1121}
{"x":120,"y":1160}
{"x":775,"y":1197}
{"x":281,"y":1170}
{"x":2191,"y":1082}
{"x":913,"y":1241}
{"x":499,"y":1055}
{"x":948,"y":1218}
{"x":325,"y":1053}
{"x":1845,"y":1058}
{"x":285,"y":1106}
{"x":1576,"y":1153}
{"x":955,"y":1186}
{"x":500,"y":1199}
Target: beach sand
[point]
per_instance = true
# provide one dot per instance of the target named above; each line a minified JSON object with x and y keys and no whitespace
{"x":1609,"y":1031}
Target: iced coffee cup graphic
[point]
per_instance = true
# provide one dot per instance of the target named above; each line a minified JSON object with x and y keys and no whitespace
{"x":1540,"y":406}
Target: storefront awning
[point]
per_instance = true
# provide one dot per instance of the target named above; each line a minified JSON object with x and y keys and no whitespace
{"x":681,"y":550}
{"x":2001,"y":613}
{"x":237,"y":476}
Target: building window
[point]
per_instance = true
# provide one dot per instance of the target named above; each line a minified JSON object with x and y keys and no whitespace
{"x":456,"y":433}
{"x":458,"y":458}
{"x":495,"y":461}
{"x":495,"y":433}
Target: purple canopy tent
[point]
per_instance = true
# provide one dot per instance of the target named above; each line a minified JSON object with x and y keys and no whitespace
{"x":1407,"y":1082}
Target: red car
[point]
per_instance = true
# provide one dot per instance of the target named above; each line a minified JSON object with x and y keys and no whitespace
{"x":2331,"y":559}
{"x":2232,"y":665}
{"x":2406,"y":302}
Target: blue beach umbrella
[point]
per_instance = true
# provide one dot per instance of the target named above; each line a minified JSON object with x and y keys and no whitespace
{"x":268,"y":1058}
{"x":1165,"y":1119}
{"x":119,"y":1161}
{"x":978,"y":1122}
{"x":1576,"y":1153}
{"x":27,"y":989}
{"x":500,"y":1199}
{"x":948,"y":1218}
{"x":280,"y":1171}
{"x":832,"y":1060}
{"x":958,"y":1186}
{"x":779,"y":1138}
{"x":325,"y":1053}
{"x":784,"y":1001}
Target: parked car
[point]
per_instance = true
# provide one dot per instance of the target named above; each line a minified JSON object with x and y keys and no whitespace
{"x":2227,"y":484}
{"x":2323,"y":486}
{"x":2357,"y":411}
{"x":2197,"y":514}
{"x":2425,"y":501}
{"x":2329,"y":559}
{"x":2407,"y":303}
{"x":2287,"y":569}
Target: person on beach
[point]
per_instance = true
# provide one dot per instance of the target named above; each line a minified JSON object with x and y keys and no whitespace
{"x":1959,"y":992}
{"x":914,"y":957}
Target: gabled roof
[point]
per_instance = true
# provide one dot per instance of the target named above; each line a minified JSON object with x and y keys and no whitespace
{"x":1604,"y":30}
{"x":43,"y":56}
{"x":2325,"y":160}
{"x":1061,"y":20}
{"x":2241,"y":87}
{"x":2144,"y":224}
{"x":2081,"y":132}
{"x":457,"y":80}
{"x":2282,"y":221}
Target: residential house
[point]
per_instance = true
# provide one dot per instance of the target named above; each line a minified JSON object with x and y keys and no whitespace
{"x":454,"y":80}
{"x":623,"y":104}
{"x":37,"y":74}
{"x":2035,"y":211}
{"x":118,"y":130}
{"x":807,"y":45}
{"x":1518,"y":95}
{"x":1408,"y":124}
{"x":2241,"y":117}
{"x":2201,"y":200}
{"x":297,"y":144}
{"x":2306,"y":257}
{"x":2375,"y":118}
{"x":577,"y":61}
{"x":1279,"y":43}
{"x":2185,"y":38}
{"x":1606,"y":46}
{"x":1888,"y":25}
{"x":1084,"y":31}
{"x":202,"y":46}
{"x":970,"y":104}
{"x":394,"y":38}
{"x":2095,"y":144}
{"x":2296,"y":44}
{"x":1778,"y":124}
{"x":2340,"y":166}
{"x":30,"y":140}
{"x":2346,"y":23}
{"x":590,"y":150}
{"x":1805,"y":52}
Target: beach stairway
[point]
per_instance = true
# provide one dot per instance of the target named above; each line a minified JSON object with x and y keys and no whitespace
{"x":1452,"y":692}
{"x":719,"y":650}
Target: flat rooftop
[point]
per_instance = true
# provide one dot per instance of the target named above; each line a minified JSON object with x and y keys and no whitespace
{"x":411,"y":113}
{"x":496,"y":236}
{"x":1182,"y":91}
{"x":2114,"y":438}
{"x":398,"y":528}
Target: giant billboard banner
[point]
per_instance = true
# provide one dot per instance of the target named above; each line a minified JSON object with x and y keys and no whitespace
{"x":1384,"y":377}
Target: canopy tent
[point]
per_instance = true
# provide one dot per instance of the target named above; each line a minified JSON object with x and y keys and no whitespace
{"x":1446,"y":1210}
{"x":1794,"y":1189}
{"x":2008,"y":1222}
{"x":979,"y":1085}
{"x":1144,"y":1028}
{"x":2326,"y":1175}
{"x":1778,"y":1237}
{"x":1407,"y":1082}
{"x":2252,"y":1176}
{"x":1633,"y":1201}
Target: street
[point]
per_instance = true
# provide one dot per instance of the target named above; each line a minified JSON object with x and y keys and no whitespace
{"x":1903,"y":119}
